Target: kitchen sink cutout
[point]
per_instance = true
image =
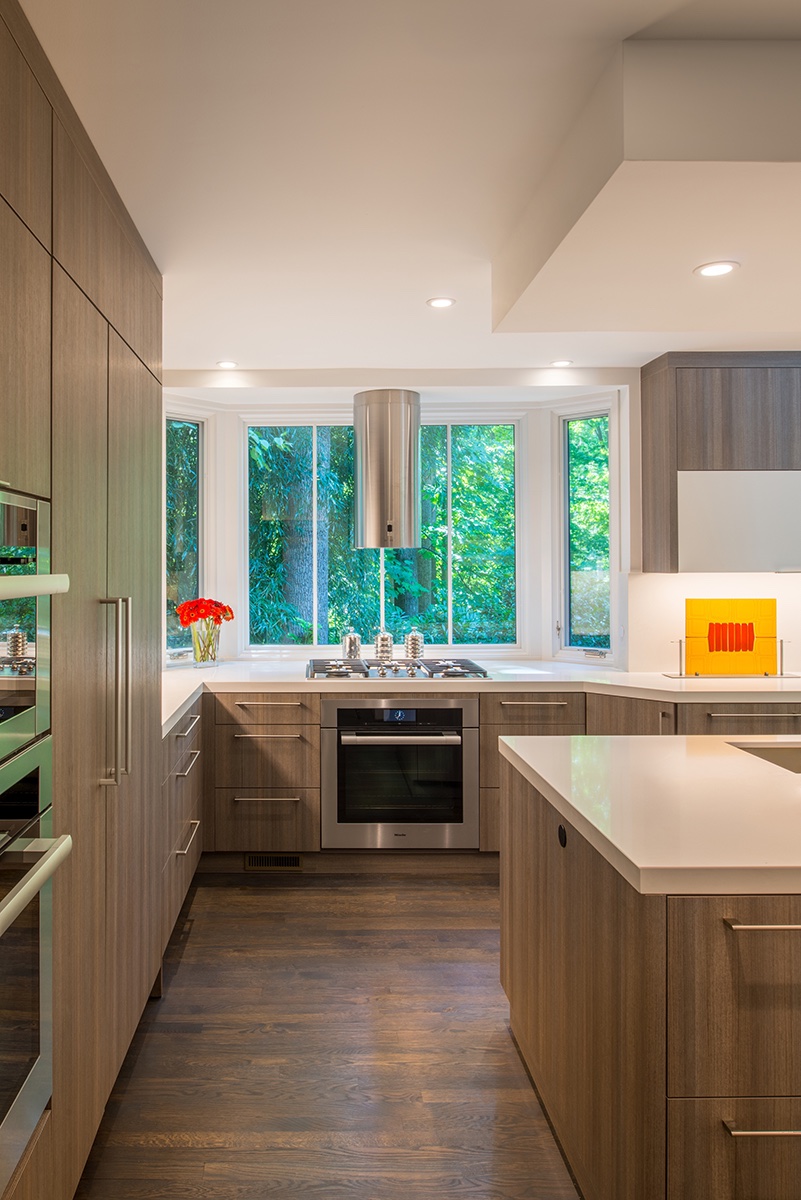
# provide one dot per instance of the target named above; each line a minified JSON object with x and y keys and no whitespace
{"x":788,"y":757}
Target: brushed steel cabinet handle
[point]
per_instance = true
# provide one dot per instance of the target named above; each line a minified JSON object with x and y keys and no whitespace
{"x":194,"y":755}
{"x":735,"y":1132}
{"x":533,"y":703}
{"x":191,"y":838}
{"x":752,"y":716}
{"x":113,"y":780}
{"x":739,"y":927}
{"x":190,"y":726}
{"x":279,"y":736}
{"x":127,"y":604}
{"x":268,"y":703}
{"x":267,"y":799}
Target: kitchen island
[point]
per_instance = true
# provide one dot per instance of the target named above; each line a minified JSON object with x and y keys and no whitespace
{"x":651,"y":954}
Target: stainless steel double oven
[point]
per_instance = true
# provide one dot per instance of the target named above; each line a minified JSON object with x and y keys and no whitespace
{"x":29,"y":855}
{"x":400,"y":774}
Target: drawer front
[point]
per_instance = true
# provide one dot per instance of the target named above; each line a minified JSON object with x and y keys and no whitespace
{"x":177,"y":876}
{"x":531,"y":708}
{"x":183,"y":736}
{"x":180,"y":799}
{"x":739,"y":718}
{"x":490,"y":756}
{"x":628,"y":715}
{"x":262,"y":756}
{"x":279,"y":819}
{"x":734,"y":996}
{"x":706,"y":1162}
{"x":255,"y":708}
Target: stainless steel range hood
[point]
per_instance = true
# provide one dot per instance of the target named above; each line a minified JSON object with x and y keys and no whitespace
{"x":386,"y":425}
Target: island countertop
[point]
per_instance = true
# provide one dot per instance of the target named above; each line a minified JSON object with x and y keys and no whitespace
{"x":675,"y":815}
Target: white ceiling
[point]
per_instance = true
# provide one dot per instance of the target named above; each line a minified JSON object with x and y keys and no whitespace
{"x":307,"y":173}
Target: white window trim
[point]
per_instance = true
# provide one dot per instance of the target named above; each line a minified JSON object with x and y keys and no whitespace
{"x":598,"y":405}
{"x":174,"y":411}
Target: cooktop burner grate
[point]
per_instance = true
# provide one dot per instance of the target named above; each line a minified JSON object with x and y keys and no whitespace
{"x":396,"y":668}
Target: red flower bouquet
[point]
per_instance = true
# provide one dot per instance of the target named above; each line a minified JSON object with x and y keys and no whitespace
{"x":205,"y":618}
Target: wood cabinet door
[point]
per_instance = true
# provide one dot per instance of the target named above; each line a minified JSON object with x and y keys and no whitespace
{"x":274,"y":819}
{"x":24,"y":357}
{"x":255,"y":708}
{"x":593,"y":1010}
{"x":627,"y":715}
{"x":734,"y":996}
{"x":706,"y":1162}
{"x":81,"y":1077}
{"x":738,"y":718}
{"x":268,"y":756}
{"x":134,"y":547}
{"x":25,"y":139}
{"x":739,"y":418}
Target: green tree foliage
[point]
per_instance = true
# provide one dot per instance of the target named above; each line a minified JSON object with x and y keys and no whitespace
{"x":588,"y":531}
{"x":282,"y":540}
{"x":20,"y":613}
{"x":183,"y":523}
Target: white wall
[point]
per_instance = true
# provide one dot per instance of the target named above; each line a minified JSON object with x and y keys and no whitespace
{"x":656,"y":612}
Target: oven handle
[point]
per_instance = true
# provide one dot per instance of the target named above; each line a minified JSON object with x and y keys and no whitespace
{"x":392,"y":739}
{"x":23,"y":892}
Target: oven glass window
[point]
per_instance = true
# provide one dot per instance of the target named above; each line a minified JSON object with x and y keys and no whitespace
{"x":17,"y":617}
{"x":19,"y":991}
{"x":400,"y":783}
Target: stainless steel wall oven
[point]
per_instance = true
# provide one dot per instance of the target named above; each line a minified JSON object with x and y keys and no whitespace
{"x":28,"y":858}
{"x":24,"y":622}
{"x":400,"y":774}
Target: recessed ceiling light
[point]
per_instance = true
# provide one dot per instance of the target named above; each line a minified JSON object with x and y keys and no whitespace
{"x":716,"y":268}
{"x":440,"y":302}
{"x":227,"y":364}
{"x":562,"y":362}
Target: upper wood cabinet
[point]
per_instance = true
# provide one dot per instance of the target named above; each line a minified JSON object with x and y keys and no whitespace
{"x":25,"y":140}
{"x":93,"y":246}
{"x":24,"y":357}
{"x":712,"y":412}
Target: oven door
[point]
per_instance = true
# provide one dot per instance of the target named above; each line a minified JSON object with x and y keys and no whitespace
{"x":404,"y":787}
{"x":24,"y":623}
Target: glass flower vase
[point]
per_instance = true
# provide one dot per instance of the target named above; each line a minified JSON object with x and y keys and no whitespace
{"x":205,"y":642}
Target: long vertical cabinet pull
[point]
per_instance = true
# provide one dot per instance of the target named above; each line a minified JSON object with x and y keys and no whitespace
{"x":126,"y":770}
{"x":119,"y":727}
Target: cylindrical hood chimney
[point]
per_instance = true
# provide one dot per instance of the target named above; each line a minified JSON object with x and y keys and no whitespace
{"x":386,"y":427}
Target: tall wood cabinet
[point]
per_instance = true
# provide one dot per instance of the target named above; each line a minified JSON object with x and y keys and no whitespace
{"x":93,"y":293}
{"x":712,"y":412}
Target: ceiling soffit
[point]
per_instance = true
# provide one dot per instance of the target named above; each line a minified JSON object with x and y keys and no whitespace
{"x":638,"y":170}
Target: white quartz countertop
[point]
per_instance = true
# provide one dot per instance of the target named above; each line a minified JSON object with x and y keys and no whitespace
{"x":675,"y":815}
{"x":182,"y":685}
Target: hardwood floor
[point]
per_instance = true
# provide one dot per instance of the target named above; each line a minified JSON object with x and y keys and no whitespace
{"x":335,"y":1037}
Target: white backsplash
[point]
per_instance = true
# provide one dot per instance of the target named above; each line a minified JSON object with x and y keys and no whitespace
{"x":656,"y":612}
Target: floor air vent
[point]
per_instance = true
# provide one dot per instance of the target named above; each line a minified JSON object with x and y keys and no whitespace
{"x":272,"y":862}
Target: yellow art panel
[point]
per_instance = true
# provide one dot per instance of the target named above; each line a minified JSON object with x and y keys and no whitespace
{"x":730,"y":637}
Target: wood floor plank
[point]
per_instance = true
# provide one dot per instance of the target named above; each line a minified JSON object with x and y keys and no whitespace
{"x":341,"y":1038}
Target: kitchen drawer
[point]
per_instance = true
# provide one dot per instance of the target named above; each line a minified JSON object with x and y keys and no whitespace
{"x":183,"y":736}
{"x":268,"y":756}
{"x":705,"y":1162}
{"x":489,"y":836}
{"x":280,"y":819}
{"x":734,"y":998}
{"x":177,"y":876}
{"x":180,"y":799}
{"x":532,"y":708}
{"x":628,"y":715}
{"x":489,"y":772}
{"x":256,"y":708}
{"x":739,"y":718}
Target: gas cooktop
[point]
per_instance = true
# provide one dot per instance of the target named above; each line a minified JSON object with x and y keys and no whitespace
{"x":396,"y":668}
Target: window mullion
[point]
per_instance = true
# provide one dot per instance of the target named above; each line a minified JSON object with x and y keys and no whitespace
{"x":315,"y":581}
{"x":450,"y":533}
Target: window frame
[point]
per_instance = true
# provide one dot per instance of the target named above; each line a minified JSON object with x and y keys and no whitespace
{"x":182,"y":655}
{"x":314,"y":421}
{"x":597,"y":406}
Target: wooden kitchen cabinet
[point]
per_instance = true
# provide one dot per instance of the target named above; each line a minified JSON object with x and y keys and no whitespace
{"x":181,"y":816}
{"x":615,"y":715}
{"x":24,"y":357}
{"x":727,"y":718}
{"x":266,"y":794}
{"x":712,"y":412}
{"x":25,"y":140}
{"x":648,"y":1023}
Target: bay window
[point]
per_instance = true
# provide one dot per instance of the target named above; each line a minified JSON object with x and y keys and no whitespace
{"x":587,"y":621}
{"x":182,"y":520}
